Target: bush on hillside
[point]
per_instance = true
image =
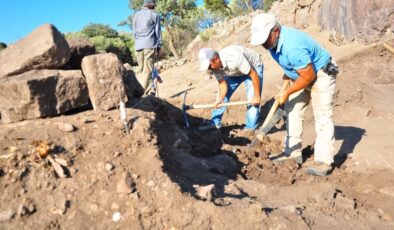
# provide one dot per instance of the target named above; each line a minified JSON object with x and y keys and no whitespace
{"x":93,"y":30}
{"x":122,"y":45}
{"x":3,"y":45}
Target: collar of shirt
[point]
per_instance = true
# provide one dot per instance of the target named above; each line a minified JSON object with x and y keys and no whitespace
{"x":281,"y":38}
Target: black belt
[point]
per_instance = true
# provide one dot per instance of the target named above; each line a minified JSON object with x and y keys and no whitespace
{"x":330,"y":68}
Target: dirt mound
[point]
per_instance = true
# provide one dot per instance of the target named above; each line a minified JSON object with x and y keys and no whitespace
{"x":366,"y":81}
{"x":163,"y":175}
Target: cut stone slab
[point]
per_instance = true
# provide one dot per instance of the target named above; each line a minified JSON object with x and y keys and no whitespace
{"x":41,"y":93}
{"x":79,"y":49}
{"x":103,"y":74}
{"x":44,"y":48}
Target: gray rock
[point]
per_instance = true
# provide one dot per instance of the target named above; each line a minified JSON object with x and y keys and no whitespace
{"x":41,"y":93}
{"x":7,"y":215}
{"x":79,"y":48}
{"x":103,"y":74}
{"x":126,"y":184}
{"x":109,"y":167}
{"x":343,"y":202}
{"x":66,"y":127}
{"x":363,"y":20}
{"x":44,"y":48}
{"x":204,"y":192}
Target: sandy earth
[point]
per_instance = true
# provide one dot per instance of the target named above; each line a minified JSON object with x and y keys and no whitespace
{"x":166,"y":176}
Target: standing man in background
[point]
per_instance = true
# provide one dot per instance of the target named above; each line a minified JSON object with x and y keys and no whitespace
{"x":147,"y":41}
{"x":313,"y":73}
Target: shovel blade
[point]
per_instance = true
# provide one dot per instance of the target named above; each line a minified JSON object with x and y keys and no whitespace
{"x":279,"y":113}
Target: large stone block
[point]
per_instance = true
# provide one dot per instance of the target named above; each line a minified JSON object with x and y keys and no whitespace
{"x":41,"y":93}
{"x":103,"y":74}
{"x":44,"y":48}
{"x":79,"y":48}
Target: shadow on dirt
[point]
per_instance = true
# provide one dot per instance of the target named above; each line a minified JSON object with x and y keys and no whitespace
{"x":191,"y":158}
{"x":351,"y":136}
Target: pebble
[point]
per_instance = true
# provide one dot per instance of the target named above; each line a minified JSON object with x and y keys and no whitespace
{"x":126,"y":184}
{"x":109,"y":167}
{"x":66,"y":127}
{"x":177,"y":143}
{"x":204,"y":192}
{"x":116,"y":216}
{"x":7,"y":215}
{"x":87,"y":120}
{"x":116,"y":154}
{"x":151,"y":183}
{"x":344,"y":202}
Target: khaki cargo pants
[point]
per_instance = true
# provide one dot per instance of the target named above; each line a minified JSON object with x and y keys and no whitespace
{"x":145,"y":66}
{"x":321,"y":93}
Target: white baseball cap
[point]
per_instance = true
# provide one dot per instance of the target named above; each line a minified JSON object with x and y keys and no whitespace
{"x":205,"y":56}
{"x":261,"y":28}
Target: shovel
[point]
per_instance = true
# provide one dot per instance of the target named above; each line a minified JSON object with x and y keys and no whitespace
{"x":274,"y":115}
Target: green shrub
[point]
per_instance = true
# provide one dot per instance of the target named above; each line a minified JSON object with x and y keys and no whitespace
{"x":268,"y":5}
{"x":3,"y":45}
{"x":205,"y":35}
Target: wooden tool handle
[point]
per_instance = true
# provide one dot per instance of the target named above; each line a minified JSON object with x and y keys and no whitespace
{"x":276,"y":104}
{"x":221,"y":104}
{"x":388,"y":47}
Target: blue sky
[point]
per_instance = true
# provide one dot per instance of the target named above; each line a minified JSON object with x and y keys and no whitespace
{"x":20,"y":17}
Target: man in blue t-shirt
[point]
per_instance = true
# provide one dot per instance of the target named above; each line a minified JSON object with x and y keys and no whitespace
{"x":312,"y":72}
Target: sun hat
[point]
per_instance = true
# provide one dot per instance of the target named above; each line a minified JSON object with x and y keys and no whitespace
{"x":205,"y":56}
{"x":261,"y":27}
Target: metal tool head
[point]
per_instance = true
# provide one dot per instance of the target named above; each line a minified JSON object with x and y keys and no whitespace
{"x":184,"y":109}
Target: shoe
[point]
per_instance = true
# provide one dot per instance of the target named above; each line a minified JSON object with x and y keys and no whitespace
{"x":318,"y":169}
{"x":284,"y":157}
{"x":208,"y":126}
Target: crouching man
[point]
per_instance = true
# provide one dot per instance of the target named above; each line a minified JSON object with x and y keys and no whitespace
{"x":232,"y":66}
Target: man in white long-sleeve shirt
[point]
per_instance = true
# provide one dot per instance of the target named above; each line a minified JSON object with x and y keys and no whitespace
{"x":147,"y":40}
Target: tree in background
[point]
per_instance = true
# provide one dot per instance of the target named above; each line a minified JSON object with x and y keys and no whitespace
{"x":218,"y":7}
{"x":93,"y":30}
{"x":178,"y":19}
{"x":107,"y":39}
{"x":241,"y":7}
{"x":3,"y":45}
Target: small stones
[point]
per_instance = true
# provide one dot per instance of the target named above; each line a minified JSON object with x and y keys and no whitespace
{"x":109,"y":167}
{"x":27,"y":208}
{"x":7,"y":215}
{"x":66,"y":127}
{"x":343,"y":202}
{"x":204,"y":192}
{"x":116,"y":216}
{"x":117,"y":154}
{"x":126,"y":184}
{"x":151,"y":183}
{"x":177,"y":143}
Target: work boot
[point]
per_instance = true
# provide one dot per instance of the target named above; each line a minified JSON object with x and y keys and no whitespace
{"x":284,"y":157}
{"x":318,"y":168}
{"x":208,"y":126}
